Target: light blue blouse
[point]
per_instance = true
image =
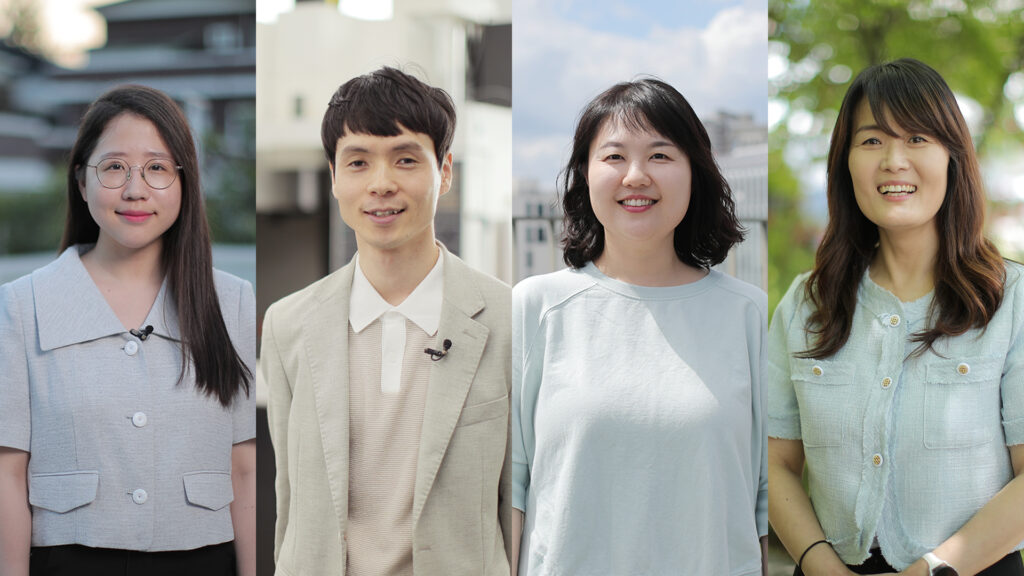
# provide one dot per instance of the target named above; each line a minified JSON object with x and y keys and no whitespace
{"x":899,"y":447}
{"x":122,"y":454}
{"x":637,"y":432}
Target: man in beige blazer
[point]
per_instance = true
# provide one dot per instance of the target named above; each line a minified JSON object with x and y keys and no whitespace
{"x":389,"y":379}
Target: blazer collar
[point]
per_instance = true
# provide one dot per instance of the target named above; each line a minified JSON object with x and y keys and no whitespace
{"x":325,"y":340}
{"x":70,"y":308}
{"x":450,"y":377}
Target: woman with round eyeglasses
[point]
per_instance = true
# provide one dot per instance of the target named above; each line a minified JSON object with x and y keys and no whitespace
{"x":896,"y":366}
{"x":126,"y":420}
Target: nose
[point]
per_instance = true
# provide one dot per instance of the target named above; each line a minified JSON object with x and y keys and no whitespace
{"x":894,"y":158}
{"x":381,"y":181}
{"x":636,"y":176}
{"x":136,"y":188}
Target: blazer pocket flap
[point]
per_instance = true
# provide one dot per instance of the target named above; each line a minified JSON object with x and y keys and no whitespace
{"x":63,"y":491}
{"x":485,"y":411}
{"x":209,"y":489}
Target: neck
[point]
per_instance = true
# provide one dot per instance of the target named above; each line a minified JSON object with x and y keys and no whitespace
{"x":904,"y":263}
{"x":645,"y":264}
{"x":395,"y":274}
{"x":126,"y":265}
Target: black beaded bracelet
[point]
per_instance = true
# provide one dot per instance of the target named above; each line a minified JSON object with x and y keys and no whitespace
{"x":800,"y":563}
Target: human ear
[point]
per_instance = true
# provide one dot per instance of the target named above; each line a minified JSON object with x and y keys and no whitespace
{"x":79,"y":178}
{"x":446,"y":175}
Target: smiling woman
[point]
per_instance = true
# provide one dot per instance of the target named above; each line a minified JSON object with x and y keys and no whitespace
{"x":637,"y":440}
{"x":896,"y":366}
{"x":116,"y":358}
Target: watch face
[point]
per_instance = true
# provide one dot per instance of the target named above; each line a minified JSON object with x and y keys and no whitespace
{"x":944,"y":570}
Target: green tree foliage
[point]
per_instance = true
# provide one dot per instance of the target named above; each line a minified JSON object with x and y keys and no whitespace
{"x":975,"y":44}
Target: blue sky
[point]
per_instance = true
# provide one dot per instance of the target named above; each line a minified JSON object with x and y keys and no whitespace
{"x":565,"y":52}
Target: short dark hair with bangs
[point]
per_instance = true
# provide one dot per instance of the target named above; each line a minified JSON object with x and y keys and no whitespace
{"x":710,"y":227}
{"x":381,"y":102}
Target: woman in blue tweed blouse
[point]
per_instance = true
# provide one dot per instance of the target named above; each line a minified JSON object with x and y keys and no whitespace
{"x":896,"y":366}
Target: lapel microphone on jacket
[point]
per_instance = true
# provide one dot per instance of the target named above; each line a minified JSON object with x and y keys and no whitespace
{"x":145,"y":332}
{"x":436,"y":355}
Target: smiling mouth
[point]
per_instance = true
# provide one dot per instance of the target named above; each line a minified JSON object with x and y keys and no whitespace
{"x":637,"y":202}
{"x":383,"y":213}
{"x":897,"y":190}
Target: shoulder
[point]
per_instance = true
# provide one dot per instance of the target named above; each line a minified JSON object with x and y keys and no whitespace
{"x":299,"y":302}
{"x":492,"y":289}
{"x":1014,"y":277}
{"x":546,"y":291}
{"x":739,"y":292}
{"x":230,"y":286}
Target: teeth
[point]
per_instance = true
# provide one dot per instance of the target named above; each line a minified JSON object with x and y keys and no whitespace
{"x":900,"y":189}
{"x":636,"y":202}
{"x":382,"y":213}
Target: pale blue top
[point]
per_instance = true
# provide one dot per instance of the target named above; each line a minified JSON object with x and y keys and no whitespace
{"x":902,"y":448}
{"x":123,"y":455}
{"x":637,"y":439}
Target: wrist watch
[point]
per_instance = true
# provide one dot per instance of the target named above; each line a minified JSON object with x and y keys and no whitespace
{"x":938,"y":567}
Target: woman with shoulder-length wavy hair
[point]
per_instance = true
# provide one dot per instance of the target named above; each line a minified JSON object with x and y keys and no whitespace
{"x":637,"y":443}
{"x":896,"y":366}
{"x":125,"y":369}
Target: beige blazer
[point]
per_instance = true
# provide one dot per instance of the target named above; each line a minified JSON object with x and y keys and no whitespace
{"x":463,"y":470}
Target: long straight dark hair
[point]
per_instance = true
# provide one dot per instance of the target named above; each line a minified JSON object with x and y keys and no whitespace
{"x":969,"y":272}
{"x":186,"y":257}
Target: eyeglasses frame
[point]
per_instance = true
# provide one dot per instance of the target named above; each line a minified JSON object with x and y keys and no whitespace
{"x":131,"y":170}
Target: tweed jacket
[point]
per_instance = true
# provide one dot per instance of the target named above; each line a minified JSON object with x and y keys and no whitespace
{"x":462,"y":470}
{"x":123,"y":455}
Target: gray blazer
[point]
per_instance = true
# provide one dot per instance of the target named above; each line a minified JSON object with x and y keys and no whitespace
{"x":122,"y":455}
{"x":462,"y":471}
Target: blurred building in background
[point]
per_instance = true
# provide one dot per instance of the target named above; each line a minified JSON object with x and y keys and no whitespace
{"x":740,"y":145}
{"x":200,"y":52}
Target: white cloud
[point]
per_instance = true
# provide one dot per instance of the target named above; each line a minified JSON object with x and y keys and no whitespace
{"x":560,"y":64}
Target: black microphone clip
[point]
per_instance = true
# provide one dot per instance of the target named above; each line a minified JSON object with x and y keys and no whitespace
{"x":436,"y":355}
{"x":143,"y":333}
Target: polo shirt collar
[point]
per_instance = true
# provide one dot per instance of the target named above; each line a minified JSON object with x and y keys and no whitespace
{"x":422,"y":306}
{"x":70,"y":308}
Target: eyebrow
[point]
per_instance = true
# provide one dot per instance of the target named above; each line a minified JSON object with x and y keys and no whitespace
{"x":150,"y":154}
{"x":400,"y":147}
{"x":655,"y":144}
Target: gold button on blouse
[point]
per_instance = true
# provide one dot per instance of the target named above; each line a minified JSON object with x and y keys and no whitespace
{"x":963,"y":368}
{"x":817,"y":371}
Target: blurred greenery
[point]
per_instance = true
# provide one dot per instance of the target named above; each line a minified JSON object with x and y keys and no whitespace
{"x":33,"y":221}
{"x":815,"y":50}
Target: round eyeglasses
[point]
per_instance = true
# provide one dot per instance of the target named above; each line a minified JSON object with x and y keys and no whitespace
{"x":115,"y":172}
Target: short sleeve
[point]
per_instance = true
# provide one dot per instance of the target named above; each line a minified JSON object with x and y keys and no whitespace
{"x":15,"y":410}
{"x":783,"y":419}
{"x":1012,"y":383}
{"x":244,"y":406}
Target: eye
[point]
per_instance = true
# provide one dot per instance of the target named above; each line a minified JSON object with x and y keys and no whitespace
{"x":407,"y":161}
{"x":357,"y":164}
{"x":659,"y":156}
{"x":159,"y":166}
{"x":918,"y":139}
{"x":112,"y":166}
{"x":872,"y":141}
{"x":613,"y":157}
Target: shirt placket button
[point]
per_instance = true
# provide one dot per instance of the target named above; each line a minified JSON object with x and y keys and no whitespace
{"x":894,"y":320}
{"x":131,"y":347}
{"x":139,"y":419}
{"x":877,"y":460}
{"x":963,"y":369}
{"x":139,"y":496}
{"x":886,"y":383}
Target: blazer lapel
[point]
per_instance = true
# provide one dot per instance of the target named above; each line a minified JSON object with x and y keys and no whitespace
{"x":450,"y":377}
{"x":326,"y":345}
